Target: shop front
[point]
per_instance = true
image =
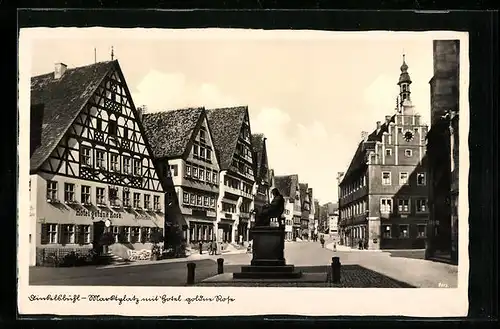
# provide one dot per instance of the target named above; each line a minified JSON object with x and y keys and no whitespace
{"x":225,"y":230}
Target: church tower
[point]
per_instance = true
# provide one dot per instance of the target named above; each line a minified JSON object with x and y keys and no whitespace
{"x":404,"y":87}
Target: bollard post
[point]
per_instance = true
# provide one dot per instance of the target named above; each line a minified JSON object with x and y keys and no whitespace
{"x":201,"y":247}
{"x":220,"y":265}
{"x":190,"y":274}
{"x":336,"y":270}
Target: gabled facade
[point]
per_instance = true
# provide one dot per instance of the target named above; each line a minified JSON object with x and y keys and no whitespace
{"x":383,"y":193}
{"x":261,"y":169}
{"x":311,"y":212}
{"x":90,"y":162}
{"x":237,"y":187}
{"x":288,"y":186}
{"x":305,"y":210}
{"x":184,"y":152}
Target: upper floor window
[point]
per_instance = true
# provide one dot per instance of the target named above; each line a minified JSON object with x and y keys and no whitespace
{"x":404,"y":205}
{"x":99,"y":124}
{"x":137,"y":167}
{"x":386,"y":178}
{"x":209,"y":155}
{"x":85,"y":157}
{"x":421,"y":205}
{"x":69,"y":192}
{"x":174,"y":170}
{"x":51,"y":190}
{"x":212,"y":202}
{"x":403,"y":178}
{"x":202,"y":135}
{"x":113,"y":160}
{"x":195,"y":150}
{"x":408,"y":153}
{"x":126,"y":198}
{"x":421,"y":179}
{"x":388,"y":152}
{"x":206,"y":201}
{"x":192,"y":200}
{"x":100,"y":159}
{"x":156,"y":202}
{"x":147,"y":201}
{"x":188,"y":170}
{"x":85,"y":194}
{"x":112,"y":128}
{"x":137,"y":200}
{"x":195,"y":172}
{"x":185,"y":198}
{"x":199,"y":200}
{"x":202,"y":152}
{"x":202,"y":174}
{"x":214,"y":177}
{"x":99,"y":192}
{"x":385,"y":205}
{"x":126,"y":165}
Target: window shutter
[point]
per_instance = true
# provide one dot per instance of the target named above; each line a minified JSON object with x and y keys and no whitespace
{"x":44,"y":238}
{"x":60,"y":233}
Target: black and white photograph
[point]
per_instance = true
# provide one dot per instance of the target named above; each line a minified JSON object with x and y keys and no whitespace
{"x":250,"y":168}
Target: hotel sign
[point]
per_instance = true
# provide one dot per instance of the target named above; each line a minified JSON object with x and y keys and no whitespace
{"x":97,"y":214}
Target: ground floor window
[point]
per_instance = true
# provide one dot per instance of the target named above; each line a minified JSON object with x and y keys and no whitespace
{"x":49,"y":233}
{"x":83,"y":234}
{"x":404,"y":231}
{"x":386,"y":231}
{"x":68,"y":234}
{"x":116,"y":233}
{"x":135,"y":234}
{"x":421,"y":228}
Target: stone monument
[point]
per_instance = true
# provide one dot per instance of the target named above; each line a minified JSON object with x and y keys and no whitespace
{"x":268,"y":250}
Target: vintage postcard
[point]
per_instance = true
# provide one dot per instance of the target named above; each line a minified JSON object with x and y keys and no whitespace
{"x":208,"y":172}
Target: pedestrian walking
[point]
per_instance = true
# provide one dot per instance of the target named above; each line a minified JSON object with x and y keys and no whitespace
{"x":334,"y":246}
{"x":213,"y":247}
{"x":200,"y":245}
{"x":322,"y":240}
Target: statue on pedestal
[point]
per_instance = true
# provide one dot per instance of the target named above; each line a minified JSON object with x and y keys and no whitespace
{"x":271,"y":210}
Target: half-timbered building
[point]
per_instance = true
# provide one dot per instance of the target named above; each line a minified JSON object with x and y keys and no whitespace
{"x":184,"y":153}
{"x":288,"y":185}
{"x":233,"y":143}
{"x":261,"y":169}
{"x":90,"y":163}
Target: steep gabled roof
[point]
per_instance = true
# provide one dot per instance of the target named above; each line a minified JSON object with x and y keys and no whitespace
{"x":225,"y":124}
{"x":359,"y":158}
{"x":303,"y":192}
{"x":63,"y":99}
{"x":287,"y":185}
{"x":169,"y":132}
{"x":258,"y":152}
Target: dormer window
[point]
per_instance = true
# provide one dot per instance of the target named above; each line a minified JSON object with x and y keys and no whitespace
{"x":112,"y":128}
{"x":202,"y":135}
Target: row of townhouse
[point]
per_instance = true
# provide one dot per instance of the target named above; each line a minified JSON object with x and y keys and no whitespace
{"x":299,"y":207}
{"x":99,"y":163}
{"x":383,"y":195}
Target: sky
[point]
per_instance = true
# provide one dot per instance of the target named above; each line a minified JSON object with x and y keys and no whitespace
{"x":311,"y":93}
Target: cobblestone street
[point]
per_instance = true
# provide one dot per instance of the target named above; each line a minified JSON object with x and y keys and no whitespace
{"x":360,"y":269}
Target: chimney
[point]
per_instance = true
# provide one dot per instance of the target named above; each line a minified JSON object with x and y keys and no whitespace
{"x":59,"y":70}
{"x":364,"y":135}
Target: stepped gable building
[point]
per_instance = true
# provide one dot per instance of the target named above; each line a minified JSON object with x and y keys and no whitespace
{"x":90,"y":162}
{"x":442,"y":150}
{"x":383,"y":193}
{"x":233,"y":144}
{"x":288,"y":186}
{"x":183,"y":148}
{"x":305,"y":202}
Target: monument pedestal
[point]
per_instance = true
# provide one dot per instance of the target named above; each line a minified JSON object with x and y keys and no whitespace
{"x":268,"y":260}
